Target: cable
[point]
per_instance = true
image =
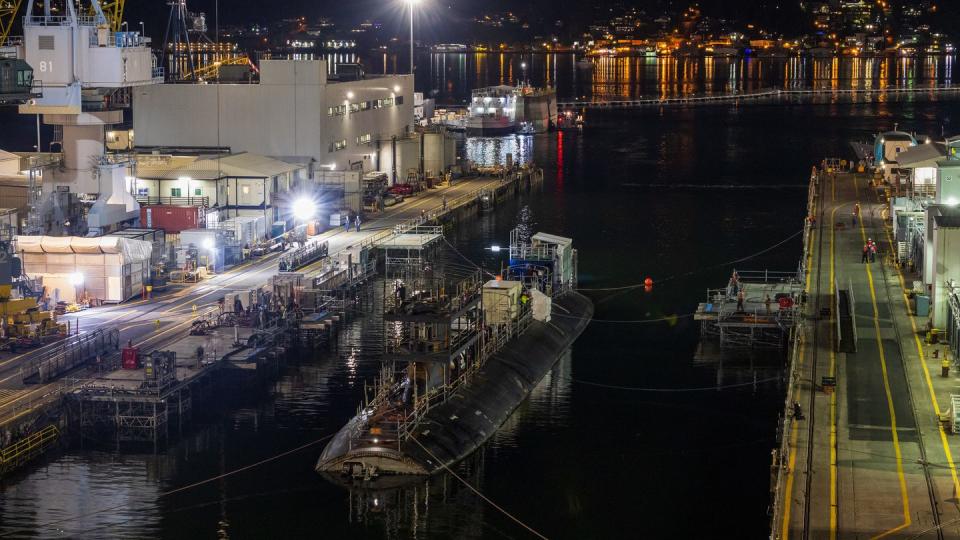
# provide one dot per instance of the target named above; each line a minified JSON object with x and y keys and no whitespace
{"x":675,"y":276}
{"x":183,"y":488}
{"x":699,"y":389}
{"x":464,"y":257}
{"x":670,"y":318}
{"x":473,"y":489}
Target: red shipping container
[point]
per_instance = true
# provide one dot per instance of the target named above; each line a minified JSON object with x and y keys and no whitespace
{"x":128,"y":357}
{"x":172,"y":219}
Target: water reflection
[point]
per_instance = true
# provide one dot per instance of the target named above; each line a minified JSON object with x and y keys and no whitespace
{"x":488,"y":151}
{"x":452,"y":75}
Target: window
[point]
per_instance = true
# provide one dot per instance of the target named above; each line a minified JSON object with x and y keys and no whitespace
{"x":143,"y":192}
{"x":398,"y":100}
{"x":377,"y":103}
{"x":364,"y":139}
{"x":354,"y":107}
{"x":338,"y":145}
{"x":388,"y":102}
{"x":175,"y":192}
{"x":365,"y":106}
{"x":198,"y":192}
{"x":339,"y":110}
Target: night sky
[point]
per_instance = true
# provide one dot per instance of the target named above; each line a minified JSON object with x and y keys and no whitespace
{"x":448,"y":19}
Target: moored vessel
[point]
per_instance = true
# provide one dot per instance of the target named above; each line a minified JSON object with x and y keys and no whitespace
{"x":460,"y":356}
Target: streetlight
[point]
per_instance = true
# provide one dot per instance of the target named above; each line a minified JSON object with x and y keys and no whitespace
{"x":76,"y":279}
{"x":411,"y":3}
{"x":523,"y":66}
{"x":124,"y":25}
{"x":142,"y":31}
{"x":304,"y":209}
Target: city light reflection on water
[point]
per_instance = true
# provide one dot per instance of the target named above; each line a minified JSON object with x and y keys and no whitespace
{"x":486,"y":151}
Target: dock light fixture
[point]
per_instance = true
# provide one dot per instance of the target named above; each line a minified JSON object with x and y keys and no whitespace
{"x":304,"y":209}
{"x":410,"y":4}
{"x":76,"y":279}
{"x":495,"y":248}
{"x":208,"y":244}
{"x":349,"y":95}
{"x":951,"y":201}
{"x":396,"y":89}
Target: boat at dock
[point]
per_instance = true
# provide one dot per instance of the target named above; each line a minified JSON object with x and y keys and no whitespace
{"x":460,"y":355}
{"x":503,"y":110}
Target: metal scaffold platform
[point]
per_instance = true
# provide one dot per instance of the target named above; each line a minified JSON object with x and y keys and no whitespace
{"x":756,"y":310}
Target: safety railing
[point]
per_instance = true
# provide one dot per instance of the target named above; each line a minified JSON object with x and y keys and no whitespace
{"x":27,"y":448}
{"x":304,"y":255}
{"x":173,"y":201}
{"x":71,"y":353}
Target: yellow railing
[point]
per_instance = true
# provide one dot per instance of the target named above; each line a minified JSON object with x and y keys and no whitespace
{"x":27,"y":448}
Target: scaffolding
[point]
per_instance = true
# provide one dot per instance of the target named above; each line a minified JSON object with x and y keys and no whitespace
{"x":756,"y":311}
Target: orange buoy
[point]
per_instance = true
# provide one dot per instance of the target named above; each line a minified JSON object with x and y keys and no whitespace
{"x":648,"y":282}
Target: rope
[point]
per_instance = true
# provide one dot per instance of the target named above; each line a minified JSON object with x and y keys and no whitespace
{"x":670,"y":318}
{"x":690,"y":272}
{"x":473,"y":489}
{"x":183,"y":488}
{"x":700,"y":389}
{"x":464,"y":257}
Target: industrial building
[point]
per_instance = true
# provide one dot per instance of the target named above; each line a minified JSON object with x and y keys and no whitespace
{"x":230,"y":185}
{"x":293,"y":112}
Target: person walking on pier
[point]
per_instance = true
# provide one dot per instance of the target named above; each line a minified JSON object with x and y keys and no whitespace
{"x":740,"y":300}
{"x":444,"y":203}
{"x":856,"y":213}
{"x":866,"y":254}
{"x":346,"y":223}
{"x":358,"y":222}
{"x":873,"y":250}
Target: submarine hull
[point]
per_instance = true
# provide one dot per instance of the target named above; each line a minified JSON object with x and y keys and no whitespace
{"x":452,"y":430}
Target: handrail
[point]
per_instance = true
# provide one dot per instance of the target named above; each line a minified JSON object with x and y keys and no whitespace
{"x":173,"y":201}
{"x":753,"y":95}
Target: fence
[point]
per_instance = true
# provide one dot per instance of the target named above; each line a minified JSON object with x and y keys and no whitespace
{"x":70,"y":353}
{"x":752,"y":96}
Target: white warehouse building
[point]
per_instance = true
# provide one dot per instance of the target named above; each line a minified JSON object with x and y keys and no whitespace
{"x":294,"y":113}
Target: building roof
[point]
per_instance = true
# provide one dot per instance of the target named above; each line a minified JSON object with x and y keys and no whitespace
{"x":243,"y":165}
{"x":896,"y":136}
{"x":923,"y":155}
{"x":946,"y":217}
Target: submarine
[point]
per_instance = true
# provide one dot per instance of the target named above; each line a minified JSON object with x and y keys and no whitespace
{"x":461,"y":354}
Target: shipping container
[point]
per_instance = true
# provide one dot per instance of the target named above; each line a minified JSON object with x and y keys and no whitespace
{"x":172,"y":219}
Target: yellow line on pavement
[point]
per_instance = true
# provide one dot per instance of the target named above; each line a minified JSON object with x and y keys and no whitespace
{"x":926,"y":373}
{"x":833,"y":373}
{"x":886,"y":387}
{"x":792,"y":460}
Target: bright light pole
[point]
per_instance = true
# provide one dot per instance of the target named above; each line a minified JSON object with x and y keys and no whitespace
{"x":76,"y":279}
{"x":411,"y":3}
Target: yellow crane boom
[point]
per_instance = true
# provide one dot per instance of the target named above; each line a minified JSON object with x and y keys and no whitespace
{"x":8,"y":14}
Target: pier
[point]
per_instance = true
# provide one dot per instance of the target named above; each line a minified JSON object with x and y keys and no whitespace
{"x":868,"y":449}
{"x":765,"y":96}
{"x":78,"y":384}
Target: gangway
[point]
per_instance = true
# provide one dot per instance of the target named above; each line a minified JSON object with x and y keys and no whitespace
{"x":70,"y":353}
{"x":303,"y":256}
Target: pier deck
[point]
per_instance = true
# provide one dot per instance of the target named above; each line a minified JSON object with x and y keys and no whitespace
{"x":872,"y":458}
{"x":161,"y":322}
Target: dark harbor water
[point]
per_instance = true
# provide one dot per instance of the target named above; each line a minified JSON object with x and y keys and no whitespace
{"x":625,"y":438}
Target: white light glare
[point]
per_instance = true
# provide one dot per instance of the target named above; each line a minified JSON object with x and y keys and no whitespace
{"x":303,"y":209}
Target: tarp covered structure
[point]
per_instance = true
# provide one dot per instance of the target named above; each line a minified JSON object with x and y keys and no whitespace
{"x":108,"y":269}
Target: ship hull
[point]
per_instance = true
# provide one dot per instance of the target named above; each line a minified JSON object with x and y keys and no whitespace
{"x":497,"y":130}
{"x":455,"y":428}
